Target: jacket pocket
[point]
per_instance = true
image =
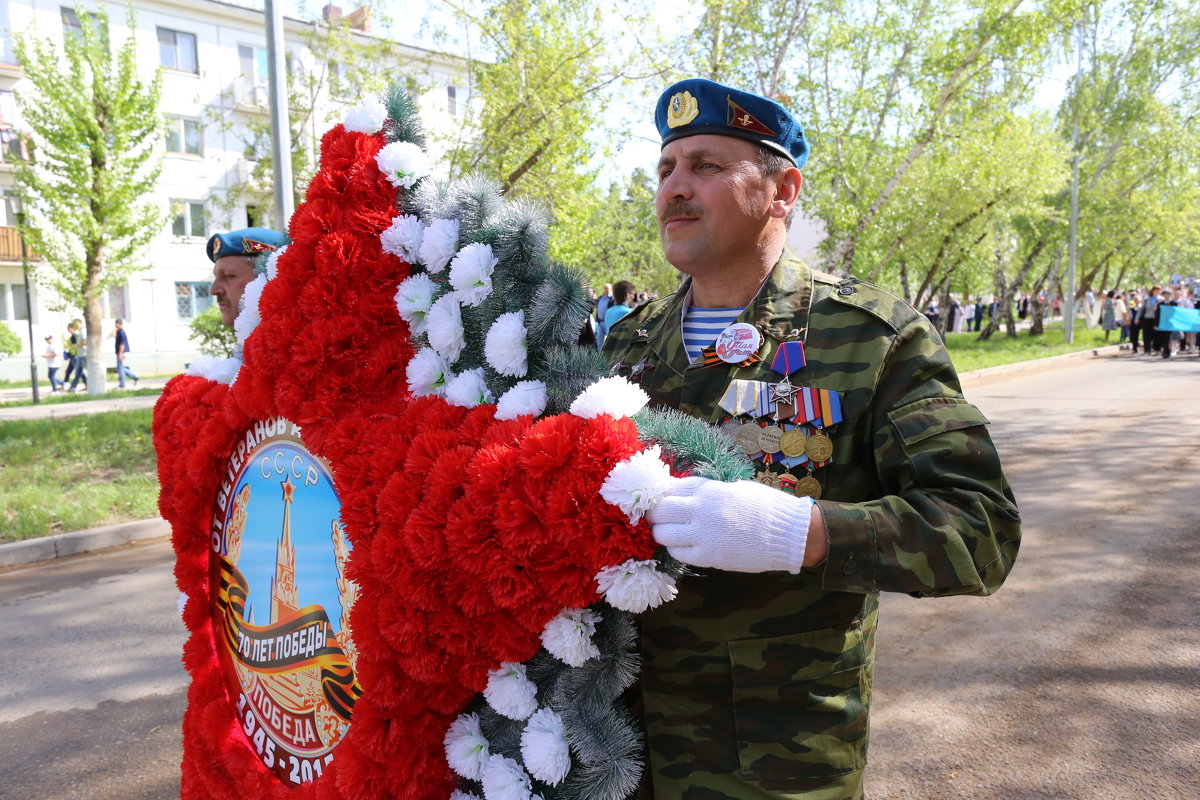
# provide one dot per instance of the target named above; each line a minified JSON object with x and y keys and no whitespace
{"x":945,"y":441}
{"x":798,"y":705}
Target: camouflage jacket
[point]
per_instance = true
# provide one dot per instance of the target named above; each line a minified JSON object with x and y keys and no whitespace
{"x":758,"y":685}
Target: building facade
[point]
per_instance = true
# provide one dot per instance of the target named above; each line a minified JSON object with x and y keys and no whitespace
{"x":213,"y":59}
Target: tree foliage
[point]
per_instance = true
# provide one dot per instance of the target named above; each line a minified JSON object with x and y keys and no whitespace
{"x":10,"y":343}
{"x":96,"y":131}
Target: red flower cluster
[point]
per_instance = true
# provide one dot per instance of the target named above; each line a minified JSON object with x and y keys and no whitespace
{"x":469,"y":533}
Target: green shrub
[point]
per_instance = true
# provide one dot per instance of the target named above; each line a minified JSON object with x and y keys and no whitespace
{"x":10,"y":343}
{"x":213,"y":337}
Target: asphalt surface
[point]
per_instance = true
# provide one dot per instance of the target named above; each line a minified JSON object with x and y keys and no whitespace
{"x":1079,"y":680}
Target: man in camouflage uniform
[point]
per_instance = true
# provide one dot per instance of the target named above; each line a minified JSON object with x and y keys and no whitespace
{"x":756,"y":680}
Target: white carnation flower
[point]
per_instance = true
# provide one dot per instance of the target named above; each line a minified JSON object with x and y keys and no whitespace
{"x":428,"y":373}
{"x":635,"y":586}
{"x":636,"y":484}
{"x":504,"y":779}
{"x":366,"y":117}
{"x":248,"y":317}
{"x":213,"y":368}
{"x":506,"y":346}
{"x":403,"y":163}
{"x":414,"y":297}
{"x":273,"y":262}
{"x":468,"y":389}
{"x":568,"y":637}
{"x":544,"y":747}
{"x":403,"y":237}
{"x":466,"y":747}
{"x":526,"y":398}
{"x":471,"y":273}
{"x":459,"y":794}
{"x":510,"y":692}
{"x":614,"y":396}
{"x":439,"y":244}
{"x":445,"y":328}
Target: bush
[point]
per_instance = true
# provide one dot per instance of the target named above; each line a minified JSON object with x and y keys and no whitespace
{"x":10,"y":343}
{"x":213,"y":337}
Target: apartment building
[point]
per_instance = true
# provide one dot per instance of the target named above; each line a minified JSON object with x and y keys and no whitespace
{"x":214,"y":63}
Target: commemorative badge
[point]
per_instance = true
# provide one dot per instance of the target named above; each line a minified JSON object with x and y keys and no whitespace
{"x":682,"y":109}
{"x":282,"y":610}
{"x":738,"y":342}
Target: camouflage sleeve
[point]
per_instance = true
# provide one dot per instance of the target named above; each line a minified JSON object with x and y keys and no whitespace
{"x":947,"y":522}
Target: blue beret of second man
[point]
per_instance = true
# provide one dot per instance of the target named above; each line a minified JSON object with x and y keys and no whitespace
{"x":244,"y":242}
{"x":698,"y":105}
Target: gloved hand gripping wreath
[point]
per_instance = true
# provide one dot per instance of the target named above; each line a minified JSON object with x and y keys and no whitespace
{"x":408,"y":423}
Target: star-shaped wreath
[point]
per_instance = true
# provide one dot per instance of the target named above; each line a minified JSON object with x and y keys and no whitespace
{"x":416,"y":342}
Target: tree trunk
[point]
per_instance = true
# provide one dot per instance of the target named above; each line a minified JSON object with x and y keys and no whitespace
{"x":93,"y":316}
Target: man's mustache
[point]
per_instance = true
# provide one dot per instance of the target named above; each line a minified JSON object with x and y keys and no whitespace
{"x":679,"y":208}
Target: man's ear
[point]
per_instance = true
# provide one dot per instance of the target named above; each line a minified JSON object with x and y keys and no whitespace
{"x":787,"y":191}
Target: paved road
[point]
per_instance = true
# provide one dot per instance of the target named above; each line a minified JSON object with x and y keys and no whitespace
{"x":1080,"y":680}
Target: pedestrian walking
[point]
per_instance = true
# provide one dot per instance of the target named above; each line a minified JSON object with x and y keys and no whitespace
{"x":123,"y":370}
{"x":1111,"y":312}
{"x":78,"y":353}
{"x":52,"y":360}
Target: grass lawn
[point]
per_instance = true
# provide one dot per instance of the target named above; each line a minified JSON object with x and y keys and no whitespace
{"x":48,"y":399}
{"x":68,"y":474}
{"x":969,"y":353}
{"x":60,"y":475}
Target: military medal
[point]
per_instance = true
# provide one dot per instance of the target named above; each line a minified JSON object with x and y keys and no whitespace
{"x":747,"y":439}
{"x":730,"y":427}
{"x":819,"y":447}
{"x":783,"y":392}
{"x":769,"y":437}
{"x":792,"y":443}
{"x":787,"y":483}
{"x":788,"y":358}
{"x":808,"y":486}
{"x":768,"y":479}
{"x":738,"y":342}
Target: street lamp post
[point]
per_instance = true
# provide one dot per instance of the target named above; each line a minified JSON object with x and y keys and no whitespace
{"x":33,"y":376}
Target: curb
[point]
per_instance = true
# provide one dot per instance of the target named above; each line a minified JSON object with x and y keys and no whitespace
{"x":15,"y":554}
{"x":1038,"y":363}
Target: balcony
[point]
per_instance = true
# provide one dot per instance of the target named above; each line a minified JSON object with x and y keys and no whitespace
{"x":10,"y":246}
{"x":249,"y":97}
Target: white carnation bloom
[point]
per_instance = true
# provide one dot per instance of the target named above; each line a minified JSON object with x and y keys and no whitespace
{"x":510,"y":692}
{"x":526,"y":398}
{"x":403,"y":163}
{"x":248,"y":317}
{"x":273,"y":262}
{"x":414,"y":297}
{"x":614,"y":396}
{"x":444,"y":324}
{"x":366,"y":117}
{"x":504,"y":779}
{"x":213,"y":368}
{"x":459,"y":794}
{"x":468,"y":389}
{"x":466,"y":747}
{"x":506,"y":346}
{"x":403,"y":237}
{"x":568,"y":637}
{"x":471,"y":273}
{"x":439,"y":244}
{"x":544,"y":747}
{"x":635,"y":586}
{"x":637,"y":484}
{"x":428,"y":373}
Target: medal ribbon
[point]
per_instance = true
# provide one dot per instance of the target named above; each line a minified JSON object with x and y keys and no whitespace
{"x":788,"y":358}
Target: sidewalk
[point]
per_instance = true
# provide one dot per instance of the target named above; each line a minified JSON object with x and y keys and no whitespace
{"x":46,"y":410}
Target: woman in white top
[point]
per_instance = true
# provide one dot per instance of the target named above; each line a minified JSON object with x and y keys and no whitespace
{"x":51,"y":356}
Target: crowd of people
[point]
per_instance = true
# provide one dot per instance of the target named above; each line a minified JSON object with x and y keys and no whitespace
{"x":1138,"y":315}
{"x":73,"y":354}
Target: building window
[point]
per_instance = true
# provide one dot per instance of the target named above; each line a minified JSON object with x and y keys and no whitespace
{"x":256,"y":217}
{"x":191,"y":299}
{"x":14,"y":303}
{"x":184,"y":136}
{"x":188,"y":218}
{"x":452,"y":101}
{"x":116,"y":301}
{"x":341,"y":84}
{"x":177,"y":50}
{"x":254,"y":64}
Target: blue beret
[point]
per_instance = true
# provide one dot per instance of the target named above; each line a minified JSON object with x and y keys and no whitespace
{"x":698,"y":106}
{"x":244,"y":242}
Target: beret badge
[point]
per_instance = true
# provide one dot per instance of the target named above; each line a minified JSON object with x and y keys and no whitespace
{"x":682,"y":109}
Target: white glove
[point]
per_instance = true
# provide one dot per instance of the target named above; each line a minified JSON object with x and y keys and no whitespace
{"x":741,"y":526}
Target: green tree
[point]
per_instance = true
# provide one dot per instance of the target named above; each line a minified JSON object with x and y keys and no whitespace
{"x":10,"y":343}
{"x":628,"y":247}
{"x":96,"y":132}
